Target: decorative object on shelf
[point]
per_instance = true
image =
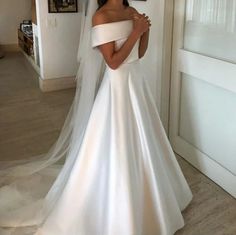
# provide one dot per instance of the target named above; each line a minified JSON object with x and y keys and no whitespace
{"x":26,"y":27}
{"x":62,"y":6}
{"x":25,"y":42}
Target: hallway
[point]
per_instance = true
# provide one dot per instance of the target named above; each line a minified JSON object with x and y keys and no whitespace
{"x":30,"y":122}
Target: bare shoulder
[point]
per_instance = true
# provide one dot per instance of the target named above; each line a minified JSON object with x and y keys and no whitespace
{"x":104,"y":15}
{"x":100,"y":17}
{"x":132,"y":10}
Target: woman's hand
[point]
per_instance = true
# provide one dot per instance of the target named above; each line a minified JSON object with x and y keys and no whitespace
{"x":142,"y":23}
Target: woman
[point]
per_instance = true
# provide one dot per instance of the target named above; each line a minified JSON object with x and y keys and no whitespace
{"x":129,"y":180}
{"x":121,"y":175}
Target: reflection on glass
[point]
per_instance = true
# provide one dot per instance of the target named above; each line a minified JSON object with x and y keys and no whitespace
{"x":210,"y":28}
{"x":207,"y":120}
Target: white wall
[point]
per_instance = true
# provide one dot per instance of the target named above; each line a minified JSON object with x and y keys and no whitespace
{"x":12,"y":12}
{"x":58,"y":42}
{"x":153,"y":58}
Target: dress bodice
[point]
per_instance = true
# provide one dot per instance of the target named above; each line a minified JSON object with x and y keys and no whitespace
{"x":118,"y":32}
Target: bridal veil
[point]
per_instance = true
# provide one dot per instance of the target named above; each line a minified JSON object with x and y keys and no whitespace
{"x":30,"y":187}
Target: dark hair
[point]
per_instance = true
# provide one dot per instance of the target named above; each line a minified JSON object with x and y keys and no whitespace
{"x":103,"y":2}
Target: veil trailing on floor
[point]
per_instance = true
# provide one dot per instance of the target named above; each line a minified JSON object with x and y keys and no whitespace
{"x":29,"y":185}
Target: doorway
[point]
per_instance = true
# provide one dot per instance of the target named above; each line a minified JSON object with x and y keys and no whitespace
{"x":202,"y":120}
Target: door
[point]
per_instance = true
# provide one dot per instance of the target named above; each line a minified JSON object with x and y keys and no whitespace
{"x":203,"y":88}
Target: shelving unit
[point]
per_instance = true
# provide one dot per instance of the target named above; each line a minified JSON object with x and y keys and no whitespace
{"x":26,"y":43}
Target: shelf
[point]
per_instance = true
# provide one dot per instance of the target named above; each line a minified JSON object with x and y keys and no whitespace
{"x":26,"y":43}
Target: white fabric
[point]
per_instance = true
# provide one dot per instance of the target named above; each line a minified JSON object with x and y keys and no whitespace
{"x":126,"y":179}
{"x":120,"y":175}
{"x":118,"y":32}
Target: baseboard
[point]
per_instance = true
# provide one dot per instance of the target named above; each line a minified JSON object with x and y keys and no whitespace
{"x":56,"y":84}
{"x":10,"y":47}
{"x":31,"y":61}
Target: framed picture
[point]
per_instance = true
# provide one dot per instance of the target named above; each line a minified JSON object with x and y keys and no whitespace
{"x":62,"y":6}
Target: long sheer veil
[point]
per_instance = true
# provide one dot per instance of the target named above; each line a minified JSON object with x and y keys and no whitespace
{"x":29,"y":185}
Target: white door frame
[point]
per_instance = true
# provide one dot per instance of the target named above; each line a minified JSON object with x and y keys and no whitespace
{"x":191,"y":63}
{"x":168,"y":8}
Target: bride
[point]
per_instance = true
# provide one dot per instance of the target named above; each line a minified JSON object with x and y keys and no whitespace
{"x":112,"y":171}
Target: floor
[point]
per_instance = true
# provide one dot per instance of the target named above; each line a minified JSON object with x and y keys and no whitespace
{"x":30,"y":122}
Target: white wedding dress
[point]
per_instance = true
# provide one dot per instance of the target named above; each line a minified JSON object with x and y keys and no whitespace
{"x":125,"y":179}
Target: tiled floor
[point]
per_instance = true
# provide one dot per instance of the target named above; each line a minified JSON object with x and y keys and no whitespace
{"x":30,"y":122}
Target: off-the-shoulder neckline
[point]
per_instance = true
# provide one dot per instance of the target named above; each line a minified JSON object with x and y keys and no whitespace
{"x":120,"y":21}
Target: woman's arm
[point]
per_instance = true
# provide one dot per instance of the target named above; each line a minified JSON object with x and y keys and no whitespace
{"x":143,"y":44}
{"x":115,"y":58}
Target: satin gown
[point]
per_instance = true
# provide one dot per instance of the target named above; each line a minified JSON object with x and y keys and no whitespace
{"x":126,"y":179}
